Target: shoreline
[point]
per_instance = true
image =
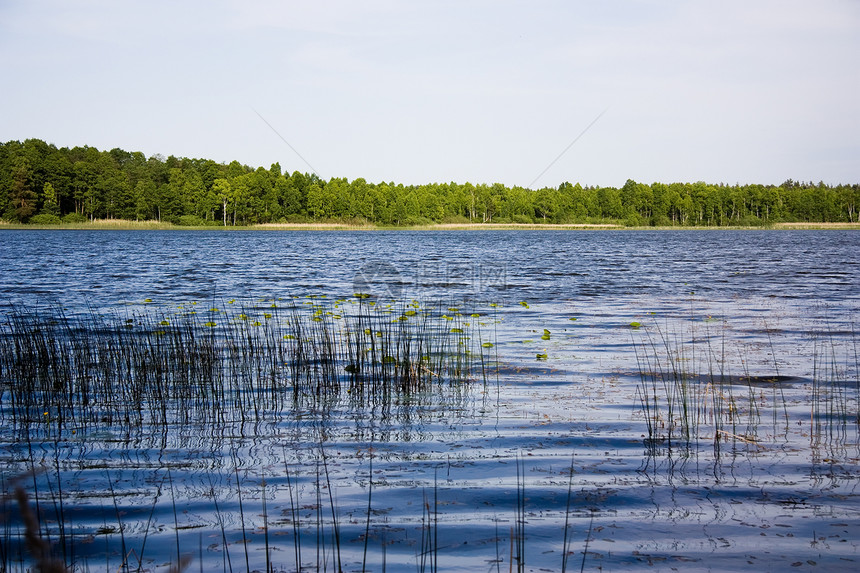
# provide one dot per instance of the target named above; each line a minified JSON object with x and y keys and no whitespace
{"x":121,"y":225}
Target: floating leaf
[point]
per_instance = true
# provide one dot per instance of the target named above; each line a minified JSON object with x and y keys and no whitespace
{"x":573,"y":318}
{"x":635,"y":324}
{"x":409,"y":313}
{"x":541,"y":356}
{"x":475,"y":315}
{"x":210,"y":324}
{"x":524,"y":303}
{"x":457,"y":330}
{"x":546,"y":334}
{"x":362,"y":295}
{"x":289,"y":337}
{"x":164,"y":323}
{"x":487,"y":345}
{"x":367,"y":331}
{"x":147,"y":300}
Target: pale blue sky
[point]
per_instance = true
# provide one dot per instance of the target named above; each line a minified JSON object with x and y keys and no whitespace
{"x":418,"y":92}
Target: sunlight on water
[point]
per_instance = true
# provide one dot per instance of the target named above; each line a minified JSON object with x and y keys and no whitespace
{"x":720,"y":432}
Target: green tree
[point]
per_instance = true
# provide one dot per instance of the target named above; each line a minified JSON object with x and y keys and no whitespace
{"x":545,"y":203}
{"x":49,"y":200}
{"x":575,"y":201}
{"x":317,"y":202}
{"x":84,"y":180}
{"x":289,"y":197}
{"x":144,"y":196}
{"x":222,"y":190}
{"x":22,"y":197}
{"x":609,"y":199}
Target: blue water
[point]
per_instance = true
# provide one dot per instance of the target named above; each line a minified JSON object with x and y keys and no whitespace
{"x":113,"y":267}
{"x":780,"y":493}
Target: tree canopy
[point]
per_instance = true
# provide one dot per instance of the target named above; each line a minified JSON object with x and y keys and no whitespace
{"x":42,"y":183}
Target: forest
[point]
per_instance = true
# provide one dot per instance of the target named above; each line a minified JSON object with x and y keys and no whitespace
{"x":43,"y":184}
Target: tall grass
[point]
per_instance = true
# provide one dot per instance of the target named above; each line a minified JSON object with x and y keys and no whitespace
{"x":314,"y":521}
{"x":688,"y":401}
{"x":154,"y":368}
{"x":834,"y":416}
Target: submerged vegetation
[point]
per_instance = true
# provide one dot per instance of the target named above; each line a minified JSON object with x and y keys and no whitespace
{"x":46,"y":185}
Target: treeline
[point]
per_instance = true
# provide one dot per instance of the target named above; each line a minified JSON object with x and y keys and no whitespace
{"x":40,"y":183}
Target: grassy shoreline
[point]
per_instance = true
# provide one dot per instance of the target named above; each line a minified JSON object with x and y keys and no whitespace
{"x":123,"y":225}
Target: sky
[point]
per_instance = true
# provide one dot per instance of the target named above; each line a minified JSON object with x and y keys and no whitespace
{"x":521,"y":93}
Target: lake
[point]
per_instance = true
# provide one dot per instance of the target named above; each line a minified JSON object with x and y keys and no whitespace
{"x":594,"y":400}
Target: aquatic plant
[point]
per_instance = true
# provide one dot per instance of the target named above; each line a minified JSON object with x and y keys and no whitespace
{"x":688,"y":399}
{"x":681,"y":407}
{"x":155,"y":367}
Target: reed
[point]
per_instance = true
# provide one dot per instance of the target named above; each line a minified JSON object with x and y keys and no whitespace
{"x":39,"y":548}
{"x":294,"y":516}
{"x":834,"y":416}
{"x":335,"y":523}
{"x":156,"y":368}
{"x":687,"y":403}
{"x":429,"y":556}
{"x":683,"y":408}
{"x":369,"y":509}
{"x":565,"y":544}
{"x":519,"y":532}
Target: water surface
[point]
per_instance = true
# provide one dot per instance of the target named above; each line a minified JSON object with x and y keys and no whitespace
{"x":554,"y":448}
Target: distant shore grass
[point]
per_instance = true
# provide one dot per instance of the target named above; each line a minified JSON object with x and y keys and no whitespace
{"x":121,"y":224}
